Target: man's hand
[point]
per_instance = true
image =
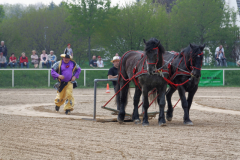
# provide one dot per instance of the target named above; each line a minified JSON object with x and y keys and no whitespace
{"x":61,"y":77}
{"x":73,"y":78}
{"x":25,"y":63}
{"x":112,"y":77}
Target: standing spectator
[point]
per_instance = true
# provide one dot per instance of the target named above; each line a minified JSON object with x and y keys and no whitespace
{"x":3,"y":49}
{"x":52,"y":58}
{"x":117,"y":55}
{"x":24,"y":61}
{"x":68,"y":50}
{"x":100,"y":62}
{"x":113,"y":73}
{"x":238,"y":63}
{"x":34,"y":59}
{"x":93,"y":62}
{"x":12,"y":61}
{"x":43,"y":59}
{"x":3,"y":61}
{"x":220,"y":52}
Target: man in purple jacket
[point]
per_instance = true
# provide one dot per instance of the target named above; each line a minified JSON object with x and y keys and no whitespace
{"x":66,"y":71}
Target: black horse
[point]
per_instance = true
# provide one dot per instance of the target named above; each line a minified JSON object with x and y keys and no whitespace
{"x":143,"y":69}
{"x":185,"y":69}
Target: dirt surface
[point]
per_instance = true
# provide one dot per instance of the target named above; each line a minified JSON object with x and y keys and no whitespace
{"x":31,"y":129}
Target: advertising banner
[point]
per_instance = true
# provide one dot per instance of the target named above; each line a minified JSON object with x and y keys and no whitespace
{"x":211,"y":78}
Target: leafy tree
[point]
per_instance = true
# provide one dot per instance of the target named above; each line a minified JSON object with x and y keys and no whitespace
{"x":41,"y":29}
{"x":86,"y":16}
{"x":2,"y":13}
{"x":129,"y":26}
{"x":201,"y":21}
{"x":51,"y":6}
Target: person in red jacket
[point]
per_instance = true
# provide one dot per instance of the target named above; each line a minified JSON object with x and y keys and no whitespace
{"x":24,"y":60}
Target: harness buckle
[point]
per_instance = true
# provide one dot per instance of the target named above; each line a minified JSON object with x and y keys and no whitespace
{"x":160,"y":73}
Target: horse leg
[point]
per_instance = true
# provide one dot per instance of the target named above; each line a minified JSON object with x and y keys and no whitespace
{"x":122,"y":101}
{"x":161,"y":103}
{"x":145,"y":106}
{"x":186,"y":118}
{"x":169,"y":94}
{"x":190,"y":98}
{"x":137,"y":95}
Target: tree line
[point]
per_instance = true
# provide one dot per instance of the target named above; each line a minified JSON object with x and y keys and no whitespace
{"x":96,"y":27}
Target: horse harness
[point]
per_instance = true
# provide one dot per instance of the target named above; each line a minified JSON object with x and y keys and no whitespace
{"x":180,"y":71}
{"x":136,"y":74}
{"x":161,"y":71}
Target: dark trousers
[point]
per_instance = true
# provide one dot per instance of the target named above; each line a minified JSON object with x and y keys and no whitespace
{"x":3,"y":65}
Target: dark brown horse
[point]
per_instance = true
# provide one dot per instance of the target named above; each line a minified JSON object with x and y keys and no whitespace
{"x":186,"y":67}
{"x":143,"y":66}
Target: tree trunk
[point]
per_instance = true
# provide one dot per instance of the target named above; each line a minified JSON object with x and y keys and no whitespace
{"x":89,"y":48}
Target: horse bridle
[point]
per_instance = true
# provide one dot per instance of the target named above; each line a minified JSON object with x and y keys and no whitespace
{"x":157,"y":56}
{"x":191,"y":63}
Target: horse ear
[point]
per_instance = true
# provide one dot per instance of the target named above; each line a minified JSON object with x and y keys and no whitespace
{"x":158,"y":43}
{"x":144,"y":41}
{"x":191,"y":45}
{"x":202,"y":47}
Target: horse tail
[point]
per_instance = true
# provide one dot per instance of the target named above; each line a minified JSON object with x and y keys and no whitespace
{"x":153,"y":96}
{"x":118,"y":95}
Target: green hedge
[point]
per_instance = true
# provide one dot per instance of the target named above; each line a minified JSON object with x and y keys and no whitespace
{"x":39,"y":79}
{"x":232,"y":78}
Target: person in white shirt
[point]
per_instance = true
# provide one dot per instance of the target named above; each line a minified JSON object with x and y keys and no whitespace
{"x":44,"y":59}
{"x":100,"y":62}
{"x":238,"y":63}
{"x":219,"y":52}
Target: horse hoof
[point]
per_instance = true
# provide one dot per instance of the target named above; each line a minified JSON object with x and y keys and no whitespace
{"x":137,"y":121}
{"x":169,"y":118}
{"x":120,"y":121}
{"x":188,"y":123}
{"x":145,"y":124}
{"x":162,"y":124}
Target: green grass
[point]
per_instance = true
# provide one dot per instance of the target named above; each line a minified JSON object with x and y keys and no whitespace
{"x":232,"y":78}
{"x":39,"y":79}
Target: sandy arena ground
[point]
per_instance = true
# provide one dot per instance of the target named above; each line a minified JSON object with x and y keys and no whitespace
{"x":31,"y":129}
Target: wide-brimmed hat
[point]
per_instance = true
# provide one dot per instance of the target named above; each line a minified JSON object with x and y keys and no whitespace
{"x":115,"y":58}
{"x":66,"y":55}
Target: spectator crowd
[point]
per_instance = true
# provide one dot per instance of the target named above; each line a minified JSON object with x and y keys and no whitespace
{"x":44,"y":60}
{"x":98,"y":62}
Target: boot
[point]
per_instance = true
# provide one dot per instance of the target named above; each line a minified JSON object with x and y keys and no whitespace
{"x":57,"y":108}
{"x":67,"y":112}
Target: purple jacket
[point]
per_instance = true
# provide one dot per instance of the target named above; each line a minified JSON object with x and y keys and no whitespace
{"x":66,"y":70}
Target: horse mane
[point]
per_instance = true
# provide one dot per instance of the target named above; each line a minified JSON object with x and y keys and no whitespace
{"x":188,"y":50}
{"x":152,"y":43}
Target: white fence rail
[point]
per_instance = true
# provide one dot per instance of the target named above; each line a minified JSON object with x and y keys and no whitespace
{"x":84,"y":72}
{"x":49,"y":73}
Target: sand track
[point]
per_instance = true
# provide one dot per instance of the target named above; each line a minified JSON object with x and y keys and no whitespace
{"x":30,"y":128}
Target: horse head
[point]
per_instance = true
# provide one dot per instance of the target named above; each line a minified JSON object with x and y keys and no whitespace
{"x":196,"y":58}
{"x":152,"y":49}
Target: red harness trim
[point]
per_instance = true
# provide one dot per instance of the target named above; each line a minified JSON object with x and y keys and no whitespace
{"x":181,"y":72}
